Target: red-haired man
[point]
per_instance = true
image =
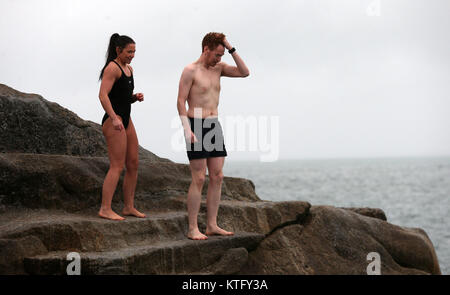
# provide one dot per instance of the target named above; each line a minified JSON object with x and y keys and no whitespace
{"x":200,"y":87}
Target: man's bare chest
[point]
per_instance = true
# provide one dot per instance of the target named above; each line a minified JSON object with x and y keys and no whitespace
{"x":205,"y":81}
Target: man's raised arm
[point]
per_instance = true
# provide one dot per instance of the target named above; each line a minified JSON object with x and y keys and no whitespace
{"x":229,"y":71}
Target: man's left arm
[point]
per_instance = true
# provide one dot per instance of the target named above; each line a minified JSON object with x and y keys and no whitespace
{"x":240,"y":70}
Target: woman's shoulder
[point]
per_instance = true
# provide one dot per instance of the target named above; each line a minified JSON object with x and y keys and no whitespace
{"x":112,"y":68}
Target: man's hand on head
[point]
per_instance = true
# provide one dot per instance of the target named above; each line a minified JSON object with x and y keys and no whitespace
{"x":226,"y":43}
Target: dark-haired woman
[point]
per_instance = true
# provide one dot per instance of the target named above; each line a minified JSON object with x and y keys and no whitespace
{"x":116,"y":96}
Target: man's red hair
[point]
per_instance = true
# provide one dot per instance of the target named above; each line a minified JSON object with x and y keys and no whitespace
{"x":212,"y":40}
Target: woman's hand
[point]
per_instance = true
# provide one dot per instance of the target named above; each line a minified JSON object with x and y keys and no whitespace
{"x":139,"y":97}
{"x":117,"y":123}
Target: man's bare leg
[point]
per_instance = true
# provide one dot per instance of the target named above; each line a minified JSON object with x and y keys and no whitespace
{"x":215,"y":165}
{"x":194,"y":198}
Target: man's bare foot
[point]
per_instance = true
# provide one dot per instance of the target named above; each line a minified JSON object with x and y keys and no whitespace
{"x":196,"y":235}
{"x":133,"y":212}
{"x":109,"y":214}
{"x":218,"y":231}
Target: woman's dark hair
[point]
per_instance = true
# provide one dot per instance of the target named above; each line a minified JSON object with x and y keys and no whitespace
{"x":115,"y":41}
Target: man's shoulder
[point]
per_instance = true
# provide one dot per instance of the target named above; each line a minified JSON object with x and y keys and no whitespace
{"x":192,"y":67}
{"x":189,"y":70}
{"x":221,"y":64}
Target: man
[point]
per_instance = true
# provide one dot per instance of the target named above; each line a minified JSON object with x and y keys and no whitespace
{"x":200,"y":87}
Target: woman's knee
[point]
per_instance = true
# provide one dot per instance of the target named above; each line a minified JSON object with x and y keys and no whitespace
{"x":116,"y":168}
{"x":132,"y":164}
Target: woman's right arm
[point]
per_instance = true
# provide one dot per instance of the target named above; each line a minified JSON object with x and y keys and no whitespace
{"x":110,"y":75}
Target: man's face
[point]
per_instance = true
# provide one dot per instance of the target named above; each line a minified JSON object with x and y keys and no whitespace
{"x":213,"y":57}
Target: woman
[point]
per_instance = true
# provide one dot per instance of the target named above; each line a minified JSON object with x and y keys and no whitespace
{"x":116,"y":96}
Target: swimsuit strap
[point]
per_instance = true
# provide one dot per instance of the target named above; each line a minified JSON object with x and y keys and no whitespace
{"x":119,"y":67}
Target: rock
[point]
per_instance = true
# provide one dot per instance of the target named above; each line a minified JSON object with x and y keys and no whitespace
{"x":31,"y":124}
{"x":281,"y":253}
{"x":337,"y":241}
{"x":74,"y":183}
{"x":230,"y":263}
{"x":261,"y":217}
{"x":14,"y":251}
{"x":370,"y":212}
{"x":238,"y":189}
{"x":175,"y":257}
{"x":52,"y":167}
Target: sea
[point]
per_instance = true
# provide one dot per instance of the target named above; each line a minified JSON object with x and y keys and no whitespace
{"x":413,"y":192}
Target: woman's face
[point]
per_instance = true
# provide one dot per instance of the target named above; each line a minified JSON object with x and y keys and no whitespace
{"x":126,"y":54}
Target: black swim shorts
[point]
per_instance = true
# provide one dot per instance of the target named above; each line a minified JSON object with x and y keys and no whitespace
{"x":210,"y":140}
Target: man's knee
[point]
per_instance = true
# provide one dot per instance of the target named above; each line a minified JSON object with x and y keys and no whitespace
{"x":198,"y":179}
{"x":216,"y":177}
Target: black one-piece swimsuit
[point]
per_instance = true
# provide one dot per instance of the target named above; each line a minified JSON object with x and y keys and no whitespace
{"x":121,"y":97}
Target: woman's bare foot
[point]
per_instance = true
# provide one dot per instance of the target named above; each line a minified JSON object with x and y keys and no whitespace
{"x":196,"y":235}
{"x":133,"y":212}
{"x":109,"y":214}
{"x":211,"y":231}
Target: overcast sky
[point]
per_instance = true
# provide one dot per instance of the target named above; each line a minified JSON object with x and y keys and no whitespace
{"x":367,"y":78}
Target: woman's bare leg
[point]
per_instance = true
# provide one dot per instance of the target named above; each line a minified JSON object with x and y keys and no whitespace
{"x":116,"y":142}
{"x":131,"y":174}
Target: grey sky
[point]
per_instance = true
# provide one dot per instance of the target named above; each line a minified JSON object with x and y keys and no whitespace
{"x":344,"y":82}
